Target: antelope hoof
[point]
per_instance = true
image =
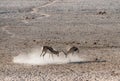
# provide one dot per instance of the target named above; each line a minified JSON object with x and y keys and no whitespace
{"x":40,"y":55}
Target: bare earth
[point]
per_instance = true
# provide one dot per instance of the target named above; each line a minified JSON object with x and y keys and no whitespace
{"x":91,"y":25}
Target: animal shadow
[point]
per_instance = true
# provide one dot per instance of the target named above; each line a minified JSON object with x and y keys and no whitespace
{"x":83,"y":62}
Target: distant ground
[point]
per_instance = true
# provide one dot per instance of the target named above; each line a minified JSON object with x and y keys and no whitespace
{"x":92,"y":26}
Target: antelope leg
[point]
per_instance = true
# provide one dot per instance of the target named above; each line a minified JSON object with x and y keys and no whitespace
{"x":65,"y":54}
{"x":57,"y":54}
{"x":52,"y":55}
{"x":41,"y":54}
{"x":44,"y":54}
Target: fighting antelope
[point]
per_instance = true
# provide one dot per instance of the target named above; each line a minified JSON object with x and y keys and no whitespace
{"x":71,"y":50}
{"x":48,"y":48}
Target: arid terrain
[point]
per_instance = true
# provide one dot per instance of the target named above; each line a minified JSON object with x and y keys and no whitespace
{"x":91,"y":25}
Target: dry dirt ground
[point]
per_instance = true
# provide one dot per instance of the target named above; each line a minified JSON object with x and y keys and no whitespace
{"x":91,"y":25}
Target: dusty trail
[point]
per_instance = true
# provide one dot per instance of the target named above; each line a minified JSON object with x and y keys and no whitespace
{"x":35,"y":10}
{"x":4,"y":28}
{"x":12,"y":35}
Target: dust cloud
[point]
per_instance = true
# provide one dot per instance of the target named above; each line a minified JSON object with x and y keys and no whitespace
{"x":34,"y":58}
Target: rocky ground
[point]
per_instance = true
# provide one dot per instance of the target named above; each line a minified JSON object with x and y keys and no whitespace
{"x":92,"y":26}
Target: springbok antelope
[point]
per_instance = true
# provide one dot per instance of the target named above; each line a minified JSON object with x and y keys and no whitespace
{"x":48,"y":48}
{"x":71,"y":50}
